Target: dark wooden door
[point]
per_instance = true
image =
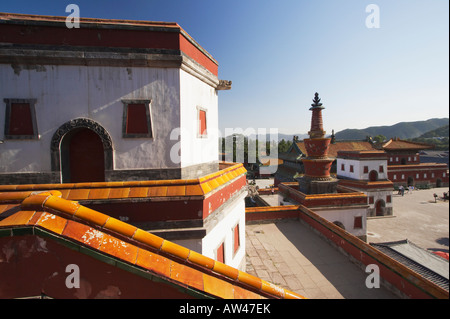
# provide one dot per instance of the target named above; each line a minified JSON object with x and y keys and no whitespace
{"x":87,"y":159}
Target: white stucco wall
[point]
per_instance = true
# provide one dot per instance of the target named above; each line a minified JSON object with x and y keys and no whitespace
{"x":346,"y":217}
{"x":223,"y":233}
{"x":195,"y":95}
{"x":379,"y":195}
{"x":358,"y":168}
{"x":63,"y":93}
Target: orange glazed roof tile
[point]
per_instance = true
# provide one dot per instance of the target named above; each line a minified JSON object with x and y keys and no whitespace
{"x":137,"y":189}
{"x":398,"y":144}
{"x":341,"y":146}
{"x":105,"y":234}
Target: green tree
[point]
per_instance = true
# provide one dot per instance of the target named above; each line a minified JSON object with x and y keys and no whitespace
{"x":379,"y":138}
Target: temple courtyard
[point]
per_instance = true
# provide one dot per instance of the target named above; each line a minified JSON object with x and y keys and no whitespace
{"x":292,"y":255}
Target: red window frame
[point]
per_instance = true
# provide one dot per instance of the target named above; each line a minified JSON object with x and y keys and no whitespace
{"x":136,"y":119}
{"x":202,"y":123}
{"x":220,"y":253}
{"x":237,"y":242}
{"x":357,"y":223}
{"x":20,"y":119}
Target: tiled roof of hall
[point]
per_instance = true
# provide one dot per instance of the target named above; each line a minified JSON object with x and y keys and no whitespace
{"x":64,"y":220}
{"x":399,"y":144}
{"x":201,"y":186}
{"x":337,"y":146}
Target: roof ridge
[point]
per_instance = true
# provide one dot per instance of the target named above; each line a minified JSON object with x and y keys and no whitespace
{"x":72,"y":209}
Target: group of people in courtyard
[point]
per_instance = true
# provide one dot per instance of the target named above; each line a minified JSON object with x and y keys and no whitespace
{"x":401,"y":190}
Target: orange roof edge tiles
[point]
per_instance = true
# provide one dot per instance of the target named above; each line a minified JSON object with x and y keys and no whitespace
{"x":136,"y":189}
{"x":398,"y":144}
{"x":66,"y":211}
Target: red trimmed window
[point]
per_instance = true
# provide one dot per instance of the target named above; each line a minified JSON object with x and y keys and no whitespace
{"x":366,"y":169}
{"x":201,"y":122}
{"x":221,"y":253}
{"x":351,"y":168}
{"x":342,"y":167}
{"x":388,"y":198}
{"x":381,"y":169}
{"x":136,"y":119}
{"x":357,"y":222}
{"x":236,"y":238}
{"x":370,"y":199}
{"x":20,"y":120}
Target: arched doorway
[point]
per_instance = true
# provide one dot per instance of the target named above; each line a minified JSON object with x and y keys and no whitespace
{"x":410,"y":181}
{"x":82,"y":157}
{"x":81,"y":151}
{"x":380,"y":206}
{"x":373,"y":176}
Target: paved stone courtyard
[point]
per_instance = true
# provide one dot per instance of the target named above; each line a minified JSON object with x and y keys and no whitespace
{"x":291,"y":255}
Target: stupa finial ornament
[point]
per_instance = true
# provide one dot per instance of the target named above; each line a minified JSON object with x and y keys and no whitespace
{"x":316,"y":100}
{"x":316,"y":103}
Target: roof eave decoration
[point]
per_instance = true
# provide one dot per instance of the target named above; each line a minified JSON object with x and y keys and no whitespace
{"x":224,"y":85}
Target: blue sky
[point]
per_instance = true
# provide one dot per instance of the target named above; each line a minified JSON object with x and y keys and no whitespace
{"x":279,"y":53}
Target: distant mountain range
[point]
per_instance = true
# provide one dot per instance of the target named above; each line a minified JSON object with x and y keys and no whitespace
{"x":403,"y":130}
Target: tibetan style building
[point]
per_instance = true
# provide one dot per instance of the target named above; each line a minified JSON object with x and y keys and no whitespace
{"x":110,"y":150}
{"x":366,"y":171}
{"x":405,"y":167}
{"x":292,"y":165}
{"x":141,"y":97}
{"x":110,"y":184}
{"x":318,"y":190}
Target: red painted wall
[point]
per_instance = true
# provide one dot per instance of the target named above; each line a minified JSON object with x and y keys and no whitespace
{"x":103,"y":37}
{"x":31,"y":265}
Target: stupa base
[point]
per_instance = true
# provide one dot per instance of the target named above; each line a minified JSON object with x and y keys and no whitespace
{"x":308,"y":185}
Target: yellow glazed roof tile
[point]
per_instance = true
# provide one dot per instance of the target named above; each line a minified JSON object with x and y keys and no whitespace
{"x":17,"y":219}
{"x":121,"y":192}
{"x":52,"y":222}
{"x":179,"y":190}
{"x":138,"y":192}
{"x":130,"y":246}
{"x":79,"y":194}
{"x":98,"y":193}
{"x":135,"y":189}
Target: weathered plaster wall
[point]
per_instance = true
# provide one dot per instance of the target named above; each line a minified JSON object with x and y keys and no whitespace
{"x":63,"y":93}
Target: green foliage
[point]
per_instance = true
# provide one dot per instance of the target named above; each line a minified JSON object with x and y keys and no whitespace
{"x":250,"y":148}
{"x":440,"y":144}
{"x":284,"y":146}
{"x":379,"y":138}
{"x":438,"y":137}
{"x":439,"y":132}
